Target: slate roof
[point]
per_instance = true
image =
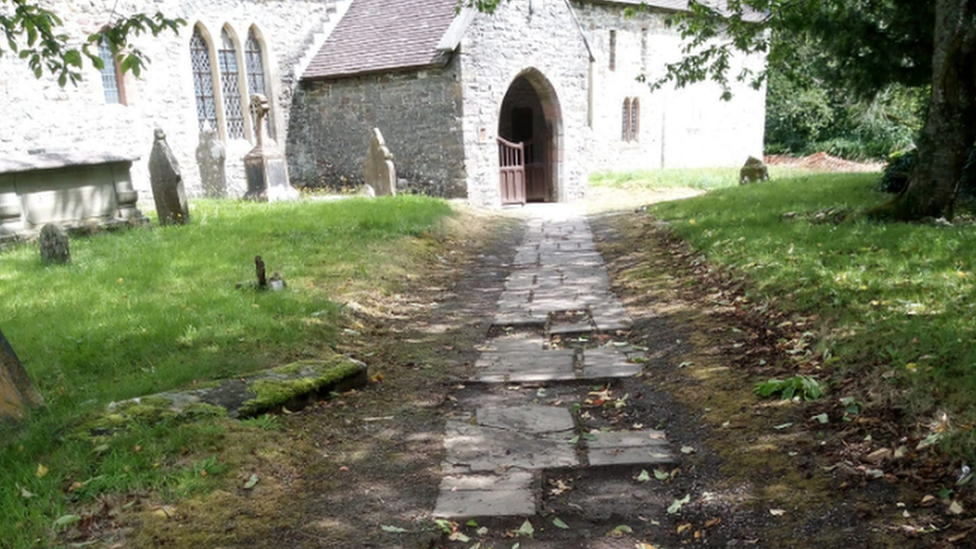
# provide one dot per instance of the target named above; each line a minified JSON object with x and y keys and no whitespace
{"x":381,"y":35}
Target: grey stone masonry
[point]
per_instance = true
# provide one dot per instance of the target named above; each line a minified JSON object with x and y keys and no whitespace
{"x":494,"y":453}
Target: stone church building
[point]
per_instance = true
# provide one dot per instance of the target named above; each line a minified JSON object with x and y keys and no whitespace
{"x":516,"y":106}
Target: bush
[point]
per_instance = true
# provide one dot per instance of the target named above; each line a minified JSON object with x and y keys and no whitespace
{"x":896,"y":174}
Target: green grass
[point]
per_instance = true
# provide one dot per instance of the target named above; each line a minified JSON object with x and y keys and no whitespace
{"x":142,"y":311}
{"x":697,"y":178}
{"x":895,"y":303}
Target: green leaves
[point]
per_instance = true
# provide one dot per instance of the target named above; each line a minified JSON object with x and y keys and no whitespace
{"x":806,"y":387}
{"x":32,"y":32}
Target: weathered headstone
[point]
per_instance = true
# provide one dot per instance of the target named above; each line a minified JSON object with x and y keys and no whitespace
{"x":211,"y":157}
{"x":378,"y":169}
{"x":54,"y":245}
{"x":754,"y":170}
{"x":366,"y":191}
{"x":265,"y":167}
{"x":17,"y":393}
{"x":167,"y":183}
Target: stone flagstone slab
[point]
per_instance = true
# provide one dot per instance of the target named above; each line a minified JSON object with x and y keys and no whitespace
{"x":629,"y":448}
{"x":528,"y":419}
{"x":480,"y":449}
{"x":511,"y":493}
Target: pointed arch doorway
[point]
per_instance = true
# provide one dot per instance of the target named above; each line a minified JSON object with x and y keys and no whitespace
{"x":529,"y":138}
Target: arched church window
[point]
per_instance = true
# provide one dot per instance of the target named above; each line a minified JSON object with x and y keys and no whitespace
{"x":203,"y":86}
{"x":255,"y":65}
{"x":111,"y":77}
{"x":625,"y":121}
{"x":634,"y":119}
{"x":229,"y":87}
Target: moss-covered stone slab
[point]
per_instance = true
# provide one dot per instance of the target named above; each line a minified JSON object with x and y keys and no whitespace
{"x":292,"y":386}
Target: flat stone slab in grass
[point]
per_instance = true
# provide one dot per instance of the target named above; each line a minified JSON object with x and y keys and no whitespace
{"x":541,"y":375}
{"x":292,"y":386}
{"x":513,"y":345}
{"x":528,"y":419}
{"x":481,"y":449}
{"x":611,"y":372}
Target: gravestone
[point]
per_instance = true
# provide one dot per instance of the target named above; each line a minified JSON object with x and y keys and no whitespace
{"x":167,"y":183}
{"x":211,"y":157}
{"x":378,"y":168}
{"x":17,"y":393}
{"x":754,"y":170}
{"x":54,"y":245}
{"x":267,"y":173}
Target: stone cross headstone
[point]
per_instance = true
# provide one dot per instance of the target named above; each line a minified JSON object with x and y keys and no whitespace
{"x":211,"y":157}
{"x":753,"y":170}
{"x":267,"y":173}
{"x":167,"y":183}
{"x":378,"y":169}
{"x":17,"y":393}
{"x":54,"y":245}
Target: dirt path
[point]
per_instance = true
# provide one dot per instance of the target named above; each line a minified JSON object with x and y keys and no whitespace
{"x":368,"y":469}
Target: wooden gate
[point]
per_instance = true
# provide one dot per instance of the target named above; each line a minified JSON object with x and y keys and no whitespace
{"x":511,"y":162}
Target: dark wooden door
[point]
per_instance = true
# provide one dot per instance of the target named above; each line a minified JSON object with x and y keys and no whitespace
{"x":511,"y":163}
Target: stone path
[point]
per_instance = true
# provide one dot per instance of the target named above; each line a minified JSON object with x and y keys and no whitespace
{"x":498,"y":447}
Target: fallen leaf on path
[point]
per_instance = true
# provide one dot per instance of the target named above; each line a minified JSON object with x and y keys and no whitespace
{"x":66,"y":520}
{"x":929,"y":500}
{"x":526,"y":529}
{"x":955,"y":508}
{"x":251,"y":482}
{"x":459,"y":536}
{"x":483,"y":531}
{"x":560,"y":524}
{"x":642,"y":545}
{"x":41,"y":471}
{"x":678,"y":503}
{"x":687,"y":450}
{"x":783,"y":426}
{"x":683,"y":527}
{"x":392,"y":529}
{"x":878,"y":456}
{"x":957,"y":537}
{"x":777,"y":512}
{"x":619,"y":531}
{"x":644,"y":476}
{"x":661,"y":475}
{"x":713,"y":522}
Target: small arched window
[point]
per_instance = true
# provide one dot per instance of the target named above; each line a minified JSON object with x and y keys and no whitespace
{"x":255,"y":65}
{"x":229,"y":87}
{"x":111,"y":76}
{"x":625,"y":121}
{"x":203,"y":86}
{"x":630,"y":120}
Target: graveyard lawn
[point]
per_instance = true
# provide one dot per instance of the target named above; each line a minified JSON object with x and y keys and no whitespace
{"x":148,"y":310}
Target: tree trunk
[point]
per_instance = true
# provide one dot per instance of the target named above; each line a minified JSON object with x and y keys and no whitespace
{"x":17,"y":394}
{"x":950,"y":126}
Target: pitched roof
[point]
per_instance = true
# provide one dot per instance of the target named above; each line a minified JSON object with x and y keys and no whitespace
{"x":380,"y":35}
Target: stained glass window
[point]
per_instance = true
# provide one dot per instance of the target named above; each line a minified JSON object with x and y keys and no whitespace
{"x":227,"y":59}
{"x":203,"y":81}
{"x":110,"y":75}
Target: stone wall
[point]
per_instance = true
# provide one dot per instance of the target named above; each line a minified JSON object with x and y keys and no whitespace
{"x":37,"y":114}
{"x":540,"y":39}
{"x":418,"y":113}
{"x":688,"y":127}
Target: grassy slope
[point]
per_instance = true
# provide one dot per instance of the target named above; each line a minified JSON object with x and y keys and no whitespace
{"x":149,"y":310}
{"x":895,"y":301}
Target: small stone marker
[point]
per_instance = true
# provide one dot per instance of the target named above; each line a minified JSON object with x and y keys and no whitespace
{"x":167,"y":183}
{"x":54,"y":245}
{"x":259,"y":269}
{"x":267,"y":173}
{"x":379,"y":169}
{"x":17,"y":393}
{"x":211,"y":157}
{"x":754,"y":170}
